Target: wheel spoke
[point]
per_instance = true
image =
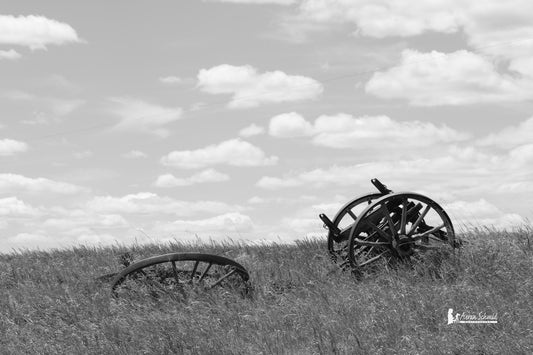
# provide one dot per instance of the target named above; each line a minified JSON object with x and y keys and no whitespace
{"x":175,"y":272}
{"x":386,"y":212}
{"x":432,"y":230}
{"x":404,"y":216}
{"x":352,"y":215}
{"x":194,"y":270}
{"x":224,"y":277}
{"x":379,"y":231}
{"x":205,"y":272}
{"x":361,"y":249}
{"x":425,"y":247}
{"x":364,"y":242}
{"x":371,"y":260}
{"x":418,"y":220}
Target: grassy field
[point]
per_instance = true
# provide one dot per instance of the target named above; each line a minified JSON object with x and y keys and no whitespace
{"x":53,"y":303}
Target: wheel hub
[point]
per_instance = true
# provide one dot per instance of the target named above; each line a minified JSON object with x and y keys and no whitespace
{"x":403,"y":246}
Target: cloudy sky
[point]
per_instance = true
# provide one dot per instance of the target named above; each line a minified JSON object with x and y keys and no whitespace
{"x":139,"y":121}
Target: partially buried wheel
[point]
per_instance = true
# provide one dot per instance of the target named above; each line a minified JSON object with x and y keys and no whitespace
{"x":400,"y":226}
{"x":181,"y":274}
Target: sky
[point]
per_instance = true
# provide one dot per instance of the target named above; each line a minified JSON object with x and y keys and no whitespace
{"x":135,"y":121}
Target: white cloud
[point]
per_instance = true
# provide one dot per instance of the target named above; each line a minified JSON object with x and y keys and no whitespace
{"x":12,"y":182}
{"x":459,"y":169}
{"x":250,"y":88}
{"x":234,"y":152}
{"x":289,"y":125}
{"x":140,"y":116}
{"x":345,"y":131}
{"x":205,"y":176}
{"x":12,"y":147}
{"x":74,"y":221}
{"x":134,"y":154}
{"x":251,"y":130}
{"x":10,"y":54}
{"x":484,"y":23}
{"x":384,"y":18}
{"x":228,"y":222}
{"x":13,"y":207}
{"x":502,"y":30}
{"x":467,"y":214}
{"x":304,"y":226}
{"x":171,"y":79}
{"x":150,"y":204}
{"x":458,"y":78}
{"x":511,"y":136}
{"x":35,"y":32}
{"x":42,"y":239}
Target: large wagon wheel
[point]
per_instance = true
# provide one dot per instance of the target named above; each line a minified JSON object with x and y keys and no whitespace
{"x":181,"y":272}
{"x":398,"y":225}
{"x":343,"y":221}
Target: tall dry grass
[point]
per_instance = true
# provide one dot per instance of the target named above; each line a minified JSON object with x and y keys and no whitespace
{"x":53,"y":303}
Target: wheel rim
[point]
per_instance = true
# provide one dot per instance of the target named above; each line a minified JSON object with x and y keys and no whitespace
{"x":343,"y":220}
{"x":398,"y":225}
{"x":180,"y":274}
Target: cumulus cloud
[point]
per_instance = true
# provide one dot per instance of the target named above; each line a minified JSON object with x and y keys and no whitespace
{"x":458,"y":78}
{"x":290,"y":125}
{"x":79,"y":221}
{"x":251,"y":130}
{"x":467,"y":214}
{"x":35,"y":32}
{"x":205,"y":176}
{"x":10,"y":54}
{"x":147,"y":203}
{"x":15,"y":182}
{"x":345,"y":131}
{"x":228,"y":222}
{"x":12,"y":147}
{"x":510,"y":137}
{"x":503,"y":31}
{"x":14,"y":207}
{"x":383,"y":18}
{"x":140,"y":116}
{"x":251,"y":88}
{"x":485,"y":24}
{"x":234,"y":152}
{"x":459,"y":169}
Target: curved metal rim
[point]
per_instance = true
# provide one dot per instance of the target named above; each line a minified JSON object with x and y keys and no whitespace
{"x":390,"y":196}
{"x":347,"y":205}
{"x":160,"y":259}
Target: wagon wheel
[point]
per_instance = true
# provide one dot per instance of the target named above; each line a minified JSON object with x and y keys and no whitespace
{"x":398,"y":225}
{"x":181,"y":272}
{"x":343,"y":220}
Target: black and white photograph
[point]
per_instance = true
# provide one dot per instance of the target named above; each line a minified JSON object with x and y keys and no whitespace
{"x":266,"y":177}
